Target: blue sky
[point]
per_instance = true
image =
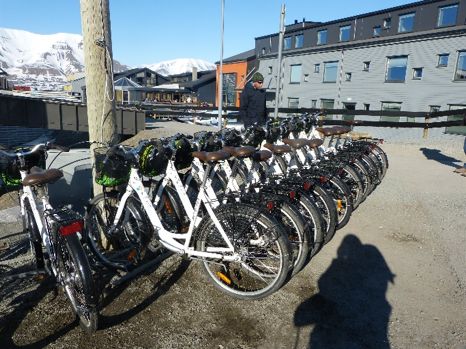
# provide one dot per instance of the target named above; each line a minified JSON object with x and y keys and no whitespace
{"x":150,"y":31}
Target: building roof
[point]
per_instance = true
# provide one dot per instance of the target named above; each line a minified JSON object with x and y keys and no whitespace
{"x":135,"y":71}
{"x":243,"y":56}
{"x":202,"y":80}
{"x":123,"y":83}
{"x":292,"y":28}
{"x":2,"y":72}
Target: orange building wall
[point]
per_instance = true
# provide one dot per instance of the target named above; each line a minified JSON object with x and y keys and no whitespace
{"x":240,"y":68}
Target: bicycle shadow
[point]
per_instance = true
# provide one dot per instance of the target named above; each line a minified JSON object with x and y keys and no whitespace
{"x":20,"y":307}
{"x":172,"y":272}
{"x":350,"y":310}
{"x":436,"y":155}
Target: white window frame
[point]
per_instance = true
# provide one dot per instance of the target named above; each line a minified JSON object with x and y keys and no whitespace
{"x":295,"y":73}
{"x":345,"y":27}
{"x":404,"y":16}
{"x":326,"y":70}
{"x":440,"y":15}
{"x":319,"y":41}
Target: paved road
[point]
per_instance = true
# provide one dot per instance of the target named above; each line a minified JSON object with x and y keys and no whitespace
{"x":394,"y":277}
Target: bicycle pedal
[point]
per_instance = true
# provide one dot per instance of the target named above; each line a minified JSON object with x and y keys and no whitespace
{"x":132,"y":256}
{"x":223,"y":277}
{"x":40,"y":277}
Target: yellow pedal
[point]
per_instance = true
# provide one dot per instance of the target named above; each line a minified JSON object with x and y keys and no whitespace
{"x":40,"y":277}
{"x":223,"y":277}
{"x":132,"y":255}
{"x":339,"y":205}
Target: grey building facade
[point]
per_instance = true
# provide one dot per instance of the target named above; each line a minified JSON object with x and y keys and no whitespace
{"x":408,"y":58}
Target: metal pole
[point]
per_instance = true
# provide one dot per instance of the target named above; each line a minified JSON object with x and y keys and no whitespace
{"x":220,"y":83}
{"x":279,"y":59}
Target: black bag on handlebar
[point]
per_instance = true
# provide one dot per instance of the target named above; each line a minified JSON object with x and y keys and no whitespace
{"x":153,"y":158}
{"x":10,"y":178}
{"x":254,"y":136}
{"x":110,"y":170}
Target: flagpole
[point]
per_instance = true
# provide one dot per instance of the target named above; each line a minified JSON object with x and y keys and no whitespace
{"x":220,"y":83}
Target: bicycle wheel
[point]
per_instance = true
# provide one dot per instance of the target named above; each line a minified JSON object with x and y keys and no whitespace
{"x":342,"y":198}
{"x":361,"y":169}
{"x":328,"y":210}
{"x":259,"y":241}
{"x":313,"y":220}
{"x":298,"y":235}
{"x":117,"y":246}
{"x":30,"y":227}
{"x":74,"y":274}
{"x":354,"y":182}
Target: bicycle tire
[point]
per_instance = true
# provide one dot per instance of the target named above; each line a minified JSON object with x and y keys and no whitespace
{"x":298,"y":235}
{"x":363,"y":171}
{"x":76,"y":278}
{"x":313,"y":219}
{"x":343,"y":200}
{"x":125,"y":248}
{"x":35,"y":241}
{"x":248,"y":278}
{"x":354,"y":182}
{"x":328,"y":211}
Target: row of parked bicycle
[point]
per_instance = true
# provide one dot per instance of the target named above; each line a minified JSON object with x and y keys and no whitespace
{"x":253,"y":207}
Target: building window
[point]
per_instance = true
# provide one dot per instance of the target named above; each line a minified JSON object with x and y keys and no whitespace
{"x":293,"y":102}
{"x":387,"y":23}
{"x":263,"y":51}
{"x":457,"y":130}
{"x":366,"y":66}
{"x":299,"y":41}
{"x":229,"y":86}
{"x":287,"y":43}
{"x":270,"y":69}
{"x":306,"y":77}
{"x":314,"y":103}
{"x":316,"y":68}
{"x":345,"y":33}
{"x":327,"y":103}
{"x":348,"y":76}
{"x":390,"y":106}
{"x":322,"y":37}
{"x":376,"y":31}
{"x":447,"y":15}
{"x":460,"y":73}
{"x":406,"y":23}
{"x":417,"y":73}
{"x":443,"y":60}
{"x":295,"y":74}
{"x":396,"y":69}
{"x":367,"y":106}
{"x":330,"y":71}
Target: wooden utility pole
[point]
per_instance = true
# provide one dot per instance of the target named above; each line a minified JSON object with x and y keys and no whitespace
{"x":98,"y":61}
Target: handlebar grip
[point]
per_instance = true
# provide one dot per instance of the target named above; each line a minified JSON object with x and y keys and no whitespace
{"x":59,"y":147}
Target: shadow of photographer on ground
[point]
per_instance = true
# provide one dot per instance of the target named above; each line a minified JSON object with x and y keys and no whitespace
{"x":351,"y":309}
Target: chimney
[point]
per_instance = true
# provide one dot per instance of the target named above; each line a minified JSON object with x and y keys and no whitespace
{"x":194,"y":75}
{"x":295,"y":21}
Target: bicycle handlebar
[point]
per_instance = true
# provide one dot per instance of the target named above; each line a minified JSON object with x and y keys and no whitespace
{"x":34,"y":149}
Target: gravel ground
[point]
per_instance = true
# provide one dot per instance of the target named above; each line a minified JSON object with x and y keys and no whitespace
{"x":394,"y":277}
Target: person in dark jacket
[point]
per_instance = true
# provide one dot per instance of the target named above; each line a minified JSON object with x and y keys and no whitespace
{"x":252,"y":103}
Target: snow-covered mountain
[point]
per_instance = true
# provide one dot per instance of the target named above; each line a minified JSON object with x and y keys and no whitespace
{"x":44,"y":61}
{"x":41,"y":61}
{"x":180,"y":66}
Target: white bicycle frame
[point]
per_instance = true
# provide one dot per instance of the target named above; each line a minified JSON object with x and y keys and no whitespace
{"x":169,"y":239}
{"x":38,"y":216}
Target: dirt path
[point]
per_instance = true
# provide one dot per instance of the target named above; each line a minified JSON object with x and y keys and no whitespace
{"x":394,"y":277}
